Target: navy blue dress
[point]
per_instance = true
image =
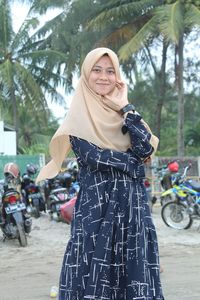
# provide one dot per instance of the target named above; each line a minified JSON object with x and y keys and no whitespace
{"x":112,"y":253}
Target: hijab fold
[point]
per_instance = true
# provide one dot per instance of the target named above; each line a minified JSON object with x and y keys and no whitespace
{"x":89,"y":118}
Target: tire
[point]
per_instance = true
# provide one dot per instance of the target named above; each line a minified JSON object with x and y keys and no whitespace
{"x":22,"y":236}
{"x":175,"y":215}
{"x":36,"y":211}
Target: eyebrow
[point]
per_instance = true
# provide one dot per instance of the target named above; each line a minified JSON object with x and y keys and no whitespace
{"x":96,"y":66}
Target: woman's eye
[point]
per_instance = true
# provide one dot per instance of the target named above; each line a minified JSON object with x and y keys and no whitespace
{"x":111,"y":72}
{"x":96,"y":70}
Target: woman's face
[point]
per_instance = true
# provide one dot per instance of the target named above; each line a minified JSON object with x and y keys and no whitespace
{"x":102,"y":78}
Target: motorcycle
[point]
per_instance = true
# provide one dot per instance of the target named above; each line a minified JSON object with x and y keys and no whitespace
{"x":180,"y":212}
{"x":15,"y":223}
{"x":62,"y":188}
{"x":31,"y":192}
{"x":56,"y":198}
{"x":148,"y":188}
{"x":166,"y":175}
{"x":57,"y":191}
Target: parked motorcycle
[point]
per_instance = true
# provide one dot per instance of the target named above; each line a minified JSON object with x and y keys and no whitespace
{"x":166,"y":175}
{"x":58,"y":194}
{"x":185,"y":207}
{"x":15,"y":223}
{"x":32,"y":194}
{"x":61,"y":189}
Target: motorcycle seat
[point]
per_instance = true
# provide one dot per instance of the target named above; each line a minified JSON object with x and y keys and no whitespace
{"x":194,"y":184}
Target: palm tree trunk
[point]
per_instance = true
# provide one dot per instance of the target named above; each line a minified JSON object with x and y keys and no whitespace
{"x":14,"y":108}
{"x":15,"y":116}
{"x":180,"y":131}
{"x":162,"y":90}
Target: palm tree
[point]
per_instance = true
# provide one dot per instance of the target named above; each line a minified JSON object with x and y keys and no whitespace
{"x":33,"y":131}
{"x":142,"y":20}
{"x":69,"y":35}
{"x":27,"y":72}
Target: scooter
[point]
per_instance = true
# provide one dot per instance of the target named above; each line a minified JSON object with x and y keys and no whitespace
{"x":58,"y":191}
{"x":57,"y":195}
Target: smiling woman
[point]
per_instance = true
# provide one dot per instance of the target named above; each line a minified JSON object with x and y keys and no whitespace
{"x":113,"y":251}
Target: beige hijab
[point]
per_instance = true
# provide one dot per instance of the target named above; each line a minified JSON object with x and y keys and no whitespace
{"x":88,"y":118}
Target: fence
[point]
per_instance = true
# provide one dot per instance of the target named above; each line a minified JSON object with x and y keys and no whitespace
{"x":39,"y":160}
{"x":21,"y":161}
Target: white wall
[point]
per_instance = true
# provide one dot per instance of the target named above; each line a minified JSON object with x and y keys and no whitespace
{"x":8,"y":144}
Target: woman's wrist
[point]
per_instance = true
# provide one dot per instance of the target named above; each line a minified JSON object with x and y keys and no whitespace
{"x":127,"y":108}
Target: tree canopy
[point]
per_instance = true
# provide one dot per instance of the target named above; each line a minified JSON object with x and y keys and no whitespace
{"x":152,"y":38}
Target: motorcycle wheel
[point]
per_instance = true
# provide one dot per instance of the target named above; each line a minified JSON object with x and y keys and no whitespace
{"x":36,"y":211}
{"x":175,"y":215}
{"x":22,"y":236}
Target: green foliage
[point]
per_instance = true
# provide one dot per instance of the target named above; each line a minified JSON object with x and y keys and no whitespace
{"x":28,"y":74}
{"x":35,"y":61}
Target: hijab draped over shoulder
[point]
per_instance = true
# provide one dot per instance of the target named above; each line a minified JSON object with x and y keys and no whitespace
{"x":88,"y":118}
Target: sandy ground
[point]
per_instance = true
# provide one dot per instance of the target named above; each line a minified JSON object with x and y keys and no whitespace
{"x":29,"y":273}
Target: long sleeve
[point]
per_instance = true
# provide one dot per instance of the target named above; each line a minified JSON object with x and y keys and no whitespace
{"x":105,"y":159}
{"x":140,"y":137}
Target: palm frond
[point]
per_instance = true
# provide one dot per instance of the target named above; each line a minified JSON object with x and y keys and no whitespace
{"x":28,"y":87}
{"x":48,"y":27}
{"x":6,"y":30}
{"x":138,"y":40}
{"x":192,"y":16}
{"x":123,"y":12}
{"x":21,"y":38}
{"x":171,"y":20}
{"x":41,"y":6}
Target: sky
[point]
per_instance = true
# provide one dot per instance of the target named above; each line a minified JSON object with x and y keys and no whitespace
{"x":19,"y":12}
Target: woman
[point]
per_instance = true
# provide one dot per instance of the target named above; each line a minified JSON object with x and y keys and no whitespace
{"x":112,"y":252}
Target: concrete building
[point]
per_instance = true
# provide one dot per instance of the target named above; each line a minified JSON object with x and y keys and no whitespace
{"x":8,"y":140}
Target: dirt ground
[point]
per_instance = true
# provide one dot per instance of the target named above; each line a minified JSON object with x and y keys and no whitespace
{"x":29,"y":273}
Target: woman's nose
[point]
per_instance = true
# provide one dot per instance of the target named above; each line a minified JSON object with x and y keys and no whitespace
{"x":103,"y":75}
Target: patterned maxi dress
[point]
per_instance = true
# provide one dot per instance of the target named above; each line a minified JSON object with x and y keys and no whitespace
{"x":112,"y":253}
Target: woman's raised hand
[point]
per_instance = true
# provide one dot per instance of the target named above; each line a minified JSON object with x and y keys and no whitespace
{"x":118,"y":100}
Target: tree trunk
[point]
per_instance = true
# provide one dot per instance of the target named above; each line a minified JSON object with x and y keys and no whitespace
{"x":180,"y":127}
{"x":15,"y":116}
{"x":162,"y":90}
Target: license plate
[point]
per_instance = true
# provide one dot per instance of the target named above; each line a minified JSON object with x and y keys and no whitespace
{"x":34,"y":196}
{"x":15,"y":207}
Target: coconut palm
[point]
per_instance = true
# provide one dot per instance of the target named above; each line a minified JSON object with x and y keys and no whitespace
{"x":69,"y":35}
{"x":33,"y":132}
{"x":27,"y":72}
